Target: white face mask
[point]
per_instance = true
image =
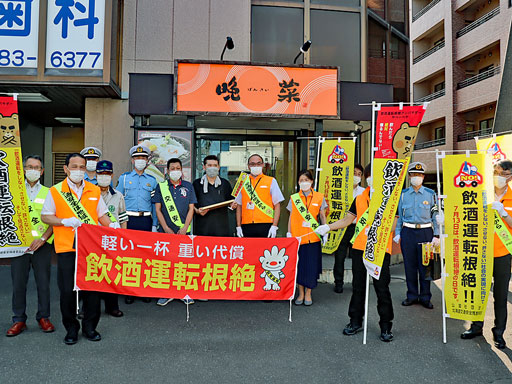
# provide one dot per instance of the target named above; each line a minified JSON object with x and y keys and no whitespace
{"x":369,"y":181}
{"x":416,"y":180}
{"x":76,"y":176}
{"x":305,"y":186}
{"x":175,"y":175}
{"x":357,"y":180}
{"x":104,"y":180}
{"x":32,"y":175}
{"x":140,"y":164}
{"x":256,"y":171}
{"x":212,"y":171}
{"x":500,"y":181}
{"x":91,"y":165}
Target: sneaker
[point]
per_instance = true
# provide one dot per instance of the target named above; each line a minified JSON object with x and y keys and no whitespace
{"x":386,"y":336}
{"x":187,"y":301}
{"x":163,"y":302}
{"x":351,"y":329}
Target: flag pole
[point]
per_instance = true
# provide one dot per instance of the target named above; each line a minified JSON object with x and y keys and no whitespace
{"x":442,"y":237}
{"x":367,"y":292}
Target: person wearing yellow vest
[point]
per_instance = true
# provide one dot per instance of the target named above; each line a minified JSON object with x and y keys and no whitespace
{"x":258,"y":203}
{"x":307,"y":212}
{"x":69,"y":204}
{"x":502,"y":264}
{"x":359,"y":209}
{"x":38,"y":256}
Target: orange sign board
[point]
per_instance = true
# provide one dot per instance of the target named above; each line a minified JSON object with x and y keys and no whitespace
{"x":264,"y":90}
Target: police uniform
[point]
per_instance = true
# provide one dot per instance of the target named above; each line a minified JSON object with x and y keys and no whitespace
{"x":416,"y":224}
{"x":91,"y":153}
{"x":116,"y":207}
{"x":138,"y":191}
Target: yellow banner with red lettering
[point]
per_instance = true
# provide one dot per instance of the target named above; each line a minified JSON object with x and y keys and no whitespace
{"x":335,"y":181}
{"x":499,"y":147}
{"x":15,"y":228}
{"x":469,"y":250}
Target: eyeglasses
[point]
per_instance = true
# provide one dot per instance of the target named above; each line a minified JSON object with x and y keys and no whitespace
{"x":255,"y":164}
{"x":503,"y":174}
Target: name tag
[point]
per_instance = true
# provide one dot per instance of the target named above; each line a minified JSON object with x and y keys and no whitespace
{"x":316,"y":205}
{"x":306,"y":224}
{"x":39,"y":201}
{"x":250,"y":205}
{"x":263,"y":186}
{"x":508,"y":209}
{"x":93,"y":198}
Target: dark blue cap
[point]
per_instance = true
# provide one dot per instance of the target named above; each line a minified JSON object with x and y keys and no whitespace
{"x":104,"y":165}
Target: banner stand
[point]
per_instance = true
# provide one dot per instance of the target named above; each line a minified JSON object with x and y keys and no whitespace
{"x":442,"y":237}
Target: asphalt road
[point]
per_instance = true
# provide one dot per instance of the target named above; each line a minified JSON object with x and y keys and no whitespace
{"x":252,"y":342}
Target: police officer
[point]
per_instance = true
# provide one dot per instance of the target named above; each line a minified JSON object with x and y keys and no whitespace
{"x":92,"y":156}
{"x":117,"y":214}
{"x":138,"y":188}
{"x":416,"y":224}
{"x":262,"y":192}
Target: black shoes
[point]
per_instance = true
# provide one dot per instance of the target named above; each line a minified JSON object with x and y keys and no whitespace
{"x":386,"y":336}
{"x":91,"y":335}
{"x":146,"y":299}
{"x":427,"y":304}
{"x":499,"y":341}
{"x":115,"y":313}
{"x":351,"y":329}
{"x":471,"y":333}
{"x":338,"y":288}
{"x":408,"y":302}
{"x":129,"y":299}
{"x":71,"y":337}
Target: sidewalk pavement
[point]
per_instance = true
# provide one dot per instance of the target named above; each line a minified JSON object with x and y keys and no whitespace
{"x":252,"y":342}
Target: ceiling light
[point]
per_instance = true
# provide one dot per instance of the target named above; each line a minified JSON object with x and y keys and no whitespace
{"x":70,"y":120}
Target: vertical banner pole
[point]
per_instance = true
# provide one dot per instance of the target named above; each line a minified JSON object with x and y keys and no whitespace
{"x":317,"y":171}
{"x":441,"y":237}
{"x":367,"y":293}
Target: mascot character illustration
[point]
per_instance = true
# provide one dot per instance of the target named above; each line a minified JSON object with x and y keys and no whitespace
{"x":273,"y":263}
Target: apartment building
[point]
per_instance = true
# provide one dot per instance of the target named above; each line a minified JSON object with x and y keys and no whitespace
{"x":457,"y":51}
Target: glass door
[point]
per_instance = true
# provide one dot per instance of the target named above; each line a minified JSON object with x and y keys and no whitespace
{"x":280,"y":159}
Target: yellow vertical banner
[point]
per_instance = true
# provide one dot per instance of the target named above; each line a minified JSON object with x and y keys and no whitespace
{"x":388,"y":178}
{"x":335,"y":181}
{"x":15,"y":229}
{"x":499,"y":147}
{"x":469,"y":251}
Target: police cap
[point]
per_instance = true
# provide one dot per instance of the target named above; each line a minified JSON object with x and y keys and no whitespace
{"x":91,"y":152}
{"x":138,"y":150}
{"x":104,"y":166}
{"x":417,"y":167}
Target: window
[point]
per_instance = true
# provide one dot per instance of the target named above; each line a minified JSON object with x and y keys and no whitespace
{"x":344,"y":3}
{"x":486,"y":124}
{"x":439,"y":133}
{"x":440,"y":41}
{"x":439,"y":87}
{"x":485,"y":69}
{"x":277,"y":34}
{"x":336,"y":40}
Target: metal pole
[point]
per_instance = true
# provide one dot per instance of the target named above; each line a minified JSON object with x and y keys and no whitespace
{"x":441,"y":237}
{"x":317,"y":171}
{"x":367,"y":294}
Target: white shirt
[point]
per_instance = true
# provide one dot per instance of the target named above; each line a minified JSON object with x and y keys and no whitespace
{"x":49,"y":207}
{"x":275,"y":192}
{"x":32,"y":191}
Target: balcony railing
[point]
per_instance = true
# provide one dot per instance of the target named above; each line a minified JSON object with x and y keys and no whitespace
{"x":470,"y":135}
{"x":435,"y":48}
{"x":432,"y":96}
{"x":478,"y":22}
{"x":481,"y":76}
{"x":425,"y":10}
{"x":430,"y":144}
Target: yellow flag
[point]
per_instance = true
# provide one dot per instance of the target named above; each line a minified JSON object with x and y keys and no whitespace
{"x":15,"y":228}
{"x":469,"y":225}
{"x":335,"y":182}
{"x":500,"y":147}
{"x":388,"y":178}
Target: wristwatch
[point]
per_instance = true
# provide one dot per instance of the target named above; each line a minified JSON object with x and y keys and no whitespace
{"x":42,"y":238}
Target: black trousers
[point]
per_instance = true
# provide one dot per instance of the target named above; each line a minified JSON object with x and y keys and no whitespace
{"x":256,"y":230}
{"x":139,"y":223}
{"x":20,"y":270}
{"x":381,"y":286}
{"x":341,"y":254}
{"x":91,"y":300}
{"x":111,"y":301}
{"x":414,"y":269}
{"x":501,"y":277}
